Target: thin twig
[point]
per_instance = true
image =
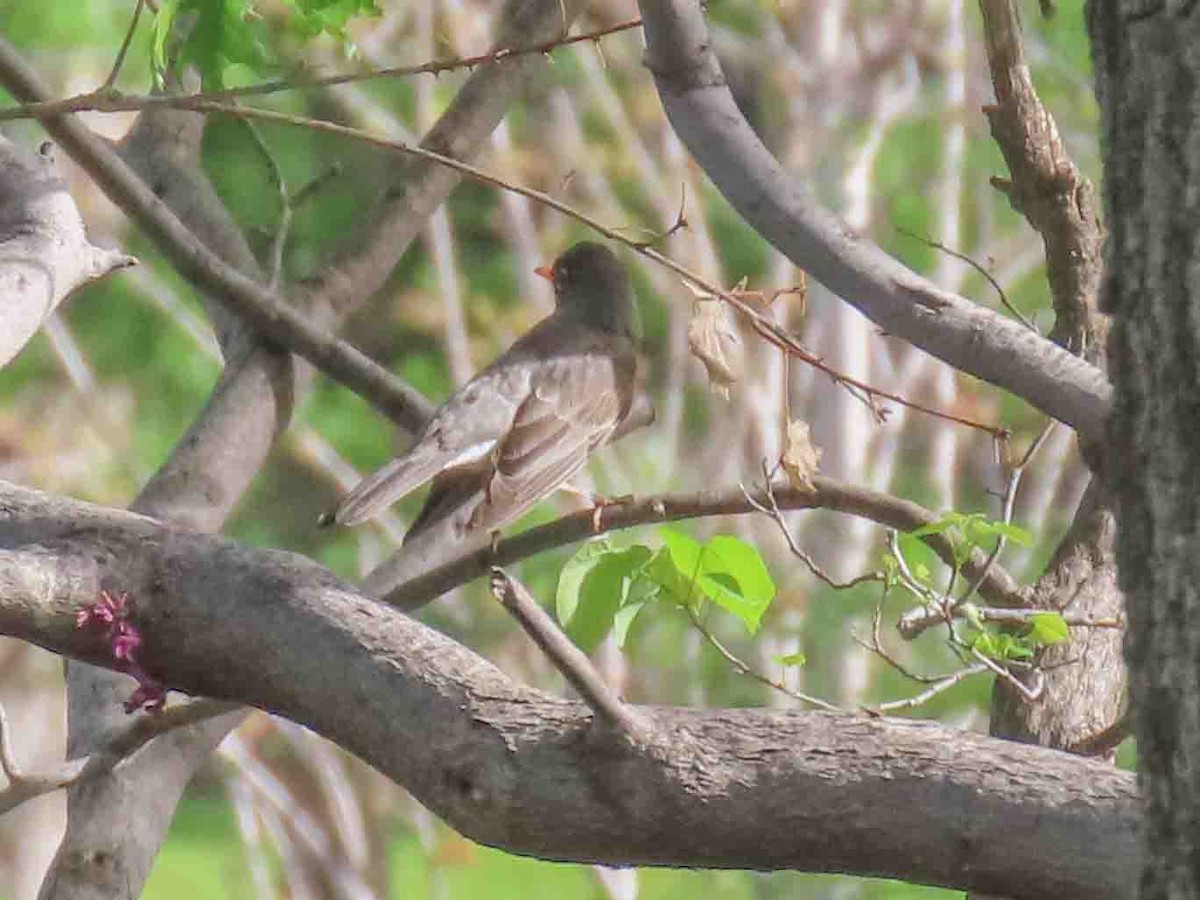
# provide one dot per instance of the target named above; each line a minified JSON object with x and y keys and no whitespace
{"x":1004,"y":301}
{"x":109,"y":101}
{"x":749,"y":671}
{"x":939,"y":686}
{"x":777,"y":515}
{"x":25,"y":786}
{"x":1029,"y":693}
{"x":567,"y":658}
{"x":108,"y":82}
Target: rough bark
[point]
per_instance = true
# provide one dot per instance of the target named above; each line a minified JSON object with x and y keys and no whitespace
{"x":514,"y":768}
{"x":1147,"y":62}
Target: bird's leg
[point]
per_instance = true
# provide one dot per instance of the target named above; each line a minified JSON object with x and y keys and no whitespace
{"x":494,"y":547}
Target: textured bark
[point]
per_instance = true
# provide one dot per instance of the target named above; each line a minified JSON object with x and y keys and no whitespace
{"x":1147,"y":62}
{"x":1085,"y":676}
{"x":515,"y":768}
{"x":1046,"y":186}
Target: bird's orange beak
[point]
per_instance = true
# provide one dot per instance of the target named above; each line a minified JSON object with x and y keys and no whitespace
{"x":546,"y":272}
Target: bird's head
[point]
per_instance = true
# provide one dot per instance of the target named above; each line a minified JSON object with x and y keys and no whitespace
{"x":591,"y":286}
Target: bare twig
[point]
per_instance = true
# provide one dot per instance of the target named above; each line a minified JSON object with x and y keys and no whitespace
{"x":1004,"y":301}
{"x":938,"y":686}
{"x":771,"y":508}
{"x":106,"y":100}
{"x":108,"y":82}
{"x":567,"y":658}
{"x":27,"y":785}
{"x":749,"y":671}
{"x":1029,"y":693}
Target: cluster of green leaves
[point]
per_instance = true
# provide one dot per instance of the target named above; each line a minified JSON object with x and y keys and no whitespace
{"x":603,"y":587}
{"x":967,"y":533}
{"x":226,"y":39}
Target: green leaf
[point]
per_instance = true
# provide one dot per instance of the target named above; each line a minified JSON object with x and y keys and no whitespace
{"x":792,"y":659}
{"x":742,"y":562}
{"x":162,"y":30}
{"x":941,"y":525}
{"x":1014,"y":533}
{"x":570,"y":579}
{"x":684,"y":552}
{"x":749,"y":610}
{"x":1048,"y":628}
{"x":594,"y":589}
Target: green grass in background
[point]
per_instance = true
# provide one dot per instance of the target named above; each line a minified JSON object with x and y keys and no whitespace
{"x":202,"y":860}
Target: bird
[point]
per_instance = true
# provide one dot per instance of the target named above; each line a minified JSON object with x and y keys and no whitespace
{"x":526,"y":424}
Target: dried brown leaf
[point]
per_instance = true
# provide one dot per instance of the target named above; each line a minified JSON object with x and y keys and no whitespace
{"x":800,"y":457}
{"x":714,"y":342}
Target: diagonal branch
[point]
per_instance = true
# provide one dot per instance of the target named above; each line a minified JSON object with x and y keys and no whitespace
{"x":263,"y":309}
{"x":703,"y":113}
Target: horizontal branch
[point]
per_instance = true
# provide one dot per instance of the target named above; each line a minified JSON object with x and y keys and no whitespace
{"x":107,"y":99}
{"x":515,"y":768}
{"x":971,"y":338}
{"x":829,"y":493}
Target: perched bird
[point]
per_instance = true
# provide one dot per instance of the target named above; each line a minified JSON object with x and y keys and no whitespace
{"x":525,"y":424}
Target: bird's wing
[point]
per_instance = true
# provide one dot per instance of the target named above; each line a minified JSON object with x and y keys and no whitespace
{"x":573,"y":405}
{"x":463,"y":431}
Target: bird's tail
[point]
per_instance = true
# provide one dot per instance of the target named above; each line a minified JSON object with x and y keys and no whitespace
{"x":380,"y":490}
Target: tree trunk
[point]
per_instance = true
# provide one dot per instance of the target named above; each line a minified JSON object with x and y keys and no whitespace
{"x":1147,"y":59}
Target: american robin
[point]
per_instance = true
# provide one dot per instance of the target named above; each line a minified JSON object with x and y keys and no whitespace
{"x":525,"y":424}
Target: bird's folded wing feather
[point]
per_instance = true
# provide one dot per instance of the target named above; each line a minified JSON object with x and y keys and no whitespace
{"x":463,"y":431}
{"x":572,"y":407}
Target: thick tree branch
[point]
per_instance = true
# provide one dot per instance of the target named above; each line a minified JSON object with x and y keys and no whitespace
{"x":703,"y":112}
{"x":44,"y":252}
{"x":511,"y":767}
{"x":1046,"y":187}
